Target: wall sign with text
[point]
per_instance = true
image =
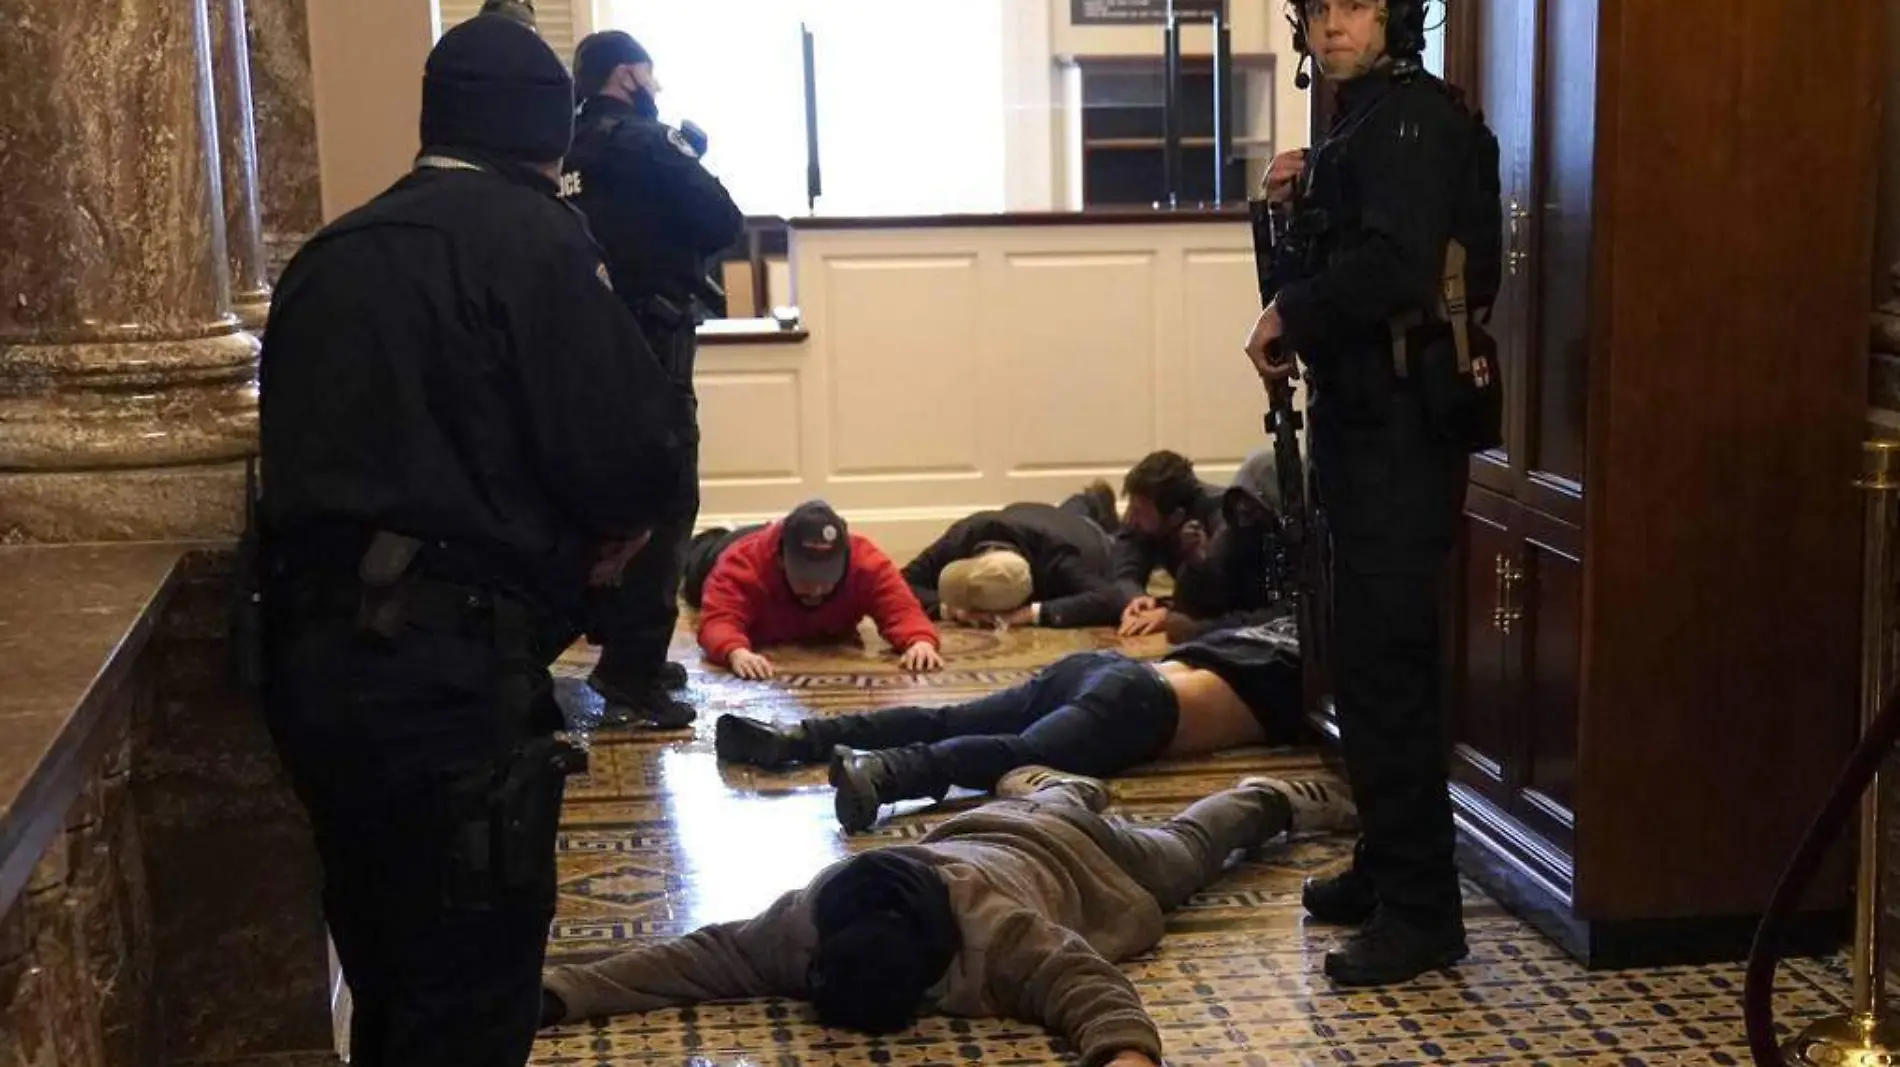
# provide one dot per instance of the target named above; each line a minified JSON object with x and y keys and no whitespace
{"x":1138,"y":12}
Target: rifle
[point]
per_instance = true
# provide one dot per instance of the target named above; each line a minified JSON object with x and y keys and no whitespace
{"x":1283,"y":425}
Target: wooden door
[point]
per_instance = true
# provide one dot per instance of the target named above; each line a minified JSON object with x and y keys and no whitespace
{"x":1506,"y":66}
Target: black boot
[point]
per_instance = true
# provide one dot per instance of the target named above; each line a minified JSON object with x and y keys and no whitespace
{"x":642,"y":703}
{"x":865,"y":781}
{"x":1343,"y":899}
{"x":768,"y":745}
{"x":1393,"y":948}
{"x":672,"y":676}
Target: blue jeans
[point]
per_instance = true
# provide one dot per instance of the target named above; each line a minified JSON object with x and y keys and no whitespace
{"x":1094,"y":713}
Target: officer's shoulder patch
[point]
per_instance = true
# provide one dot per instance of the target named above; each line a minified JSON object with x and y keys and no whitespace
{"x":680,"y":142}
{"x":600,"y":271}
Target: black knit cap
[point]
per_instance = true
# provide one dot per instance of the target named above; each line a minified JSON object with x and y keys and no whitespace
{"x":493,"y":85}
{"x":599,"y":55}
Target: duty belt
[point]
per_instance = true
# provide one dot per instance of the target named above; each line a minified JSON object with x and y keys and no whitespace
{"x":418,"y":603}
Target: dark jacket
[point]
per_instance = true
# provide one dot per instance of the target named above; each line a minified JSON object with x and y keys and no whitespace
{"x":1261,"y":663}
{"x":1136,"y":556}
{"x":1067,"y":554}
{"x":1243,"y":580}
{"x":652,"y":205}
{"x":448,"y":362}
{"x":1381,"y":190}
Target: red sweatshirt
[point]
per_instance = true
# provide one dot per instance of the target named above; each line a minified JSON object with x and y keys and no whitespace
{"x":747,"y":602}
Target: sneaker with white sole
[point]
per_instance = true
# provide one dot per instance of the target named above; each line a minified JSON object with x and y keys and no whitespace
{"x":1026,"y":781}
{"x":1320,"y":805}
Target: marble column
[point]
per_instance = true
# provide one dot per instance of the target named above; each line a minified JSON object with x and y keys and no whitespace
{"x":237,"y":153}
{"x":127,"y":390}
{"x":289,"y":194}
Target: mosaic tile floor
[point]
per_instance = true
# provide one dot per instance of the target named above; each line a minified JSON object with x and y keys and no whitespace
{"x":659,"y":840}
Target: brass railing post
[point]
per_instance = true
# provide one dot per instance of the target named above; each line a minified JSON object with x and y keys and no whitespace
{"x":1865,"y":1038}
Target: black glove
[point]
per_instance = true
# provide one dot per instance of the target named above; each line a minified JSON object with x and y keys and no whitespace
{"x":695,"y":137}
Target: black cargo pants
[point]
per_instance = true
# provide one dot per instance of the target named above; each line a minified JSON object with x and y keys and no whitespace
{"x":1393,"y":493}
{"x":438,"y":893}
{"x":633,"y":623}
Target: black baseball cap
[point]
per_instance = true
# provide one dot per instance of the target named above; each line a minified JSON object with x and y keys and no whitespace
{"x":815,"y":544}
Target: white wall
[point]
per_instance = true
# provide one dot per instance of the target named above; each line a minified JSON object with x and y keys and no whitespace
{"x":1032,"y":157}
{"x":366,"y":60}
{"x":954,"y":369}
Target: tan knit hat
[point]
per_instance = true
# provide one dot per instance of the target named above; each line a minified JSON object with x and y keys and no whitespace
{"x":994,"y":582}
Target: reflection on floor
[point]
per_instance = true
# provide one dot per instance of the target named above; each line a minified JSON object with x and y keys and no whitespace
{"x":659,"y":840}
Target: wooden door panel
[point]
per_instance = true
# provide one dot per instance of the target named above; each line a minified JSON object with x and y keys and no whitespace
{"x":1507,"y":92}
{"x":1566,"y":125}
{"x":1481,"y":719}
{"x":1550,"y":665}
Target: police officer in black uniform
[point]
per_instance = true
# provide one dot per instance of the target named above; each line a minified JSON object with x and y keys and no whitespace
{"x":1372,"y":216}
{"x":461,"y":428}
{"x":659,"y":214}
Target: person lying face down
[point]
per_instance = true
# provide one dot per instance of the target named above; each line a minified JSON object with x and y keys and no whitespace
{"x":807,"y":578}
{"x":1246,"y":574}
{"x":1019,"y":909}
{"x":1096,"y":713}
{"x":1027,"y":564}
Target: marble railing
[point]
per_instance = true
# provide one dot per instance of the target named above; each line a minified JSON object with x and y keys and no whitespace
{"x":75,"y":916}
{"x":158,"y":900}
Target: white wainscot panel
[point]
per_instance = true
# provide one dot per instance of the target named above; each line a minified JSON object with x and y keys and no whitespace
{"x":748,"y":426}
{"x":1225,"y":398}
{"x":902,"y":335}
{"x":1075,"y":361}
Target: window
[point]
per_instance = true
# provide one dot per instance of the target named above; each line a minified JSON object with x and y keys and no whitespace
{"x":1435,"y":19}
{"x":733,"y":67}
{"x":910,"y":105}
{"x":910,"y":98}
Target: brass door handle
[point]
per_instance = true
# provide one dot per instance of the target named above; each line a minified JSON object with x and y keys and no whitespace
{"x":1508,"y":611}
{"x":1518,"y":215}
